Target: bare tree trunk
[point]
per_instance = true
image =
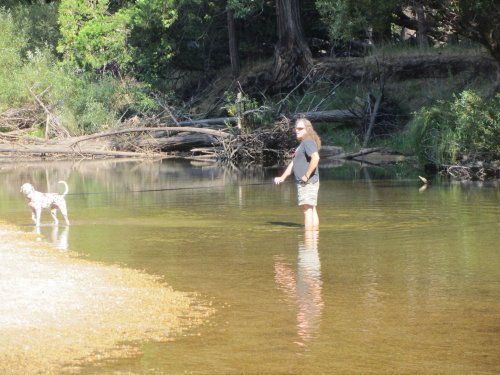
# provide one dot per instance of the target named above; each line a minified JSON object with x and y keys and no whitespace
{"x":292,"y":56}
{"x":422,"y":26}
{"x":233,"y":44}
{"x":373,"y":117}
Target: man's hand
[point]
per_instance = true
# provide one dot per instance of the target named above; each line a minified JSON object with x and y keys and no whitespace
{"x":278,"y":180}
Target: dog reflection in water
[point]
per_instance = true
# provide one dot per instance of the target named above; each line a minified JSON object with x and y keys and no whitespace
{"x":60,"y":241}
{"x":303,"y":290}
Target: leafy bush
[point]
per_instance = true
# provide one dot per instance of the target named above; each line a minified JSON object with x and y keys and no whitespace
{"x":255,"y":114}
{"x":12,"y":41}
{"x":82,"y":102}
{"x":466,"y":128}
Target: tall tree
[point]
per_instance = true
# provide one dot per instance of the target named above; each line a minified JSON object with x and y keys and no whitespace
{"x":248,"y":16}
{"x":292,"y":56}
{"x":233,"y":44}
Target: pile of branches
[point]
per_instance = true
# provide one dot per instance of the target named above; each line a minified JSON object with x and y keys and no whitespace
{"x":473,"y":171}
{"x":20,"y":123}
{"x":17,"y":122}
{"x":21,"y":118}
{"x":263,"y":146}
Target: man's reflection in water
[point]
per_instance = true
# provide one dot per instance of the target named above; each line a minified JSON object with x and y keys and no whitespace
{"x":303,"y":290}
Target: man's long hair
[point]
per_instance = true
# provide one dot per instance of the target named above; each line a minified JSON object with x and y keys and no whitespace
{"x":310,"y":132}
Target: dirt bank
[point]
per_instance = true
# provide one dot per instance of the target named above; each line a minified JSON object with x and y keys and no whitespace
{"x":59,"y":312}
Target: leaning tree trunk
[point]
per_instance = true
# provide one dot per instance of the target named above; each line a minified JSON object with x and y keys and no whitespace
{"x":292,"y":56}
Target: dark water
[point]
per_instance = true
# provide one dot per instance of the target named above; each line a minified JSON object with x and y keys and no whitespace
{"x":396,"y":280}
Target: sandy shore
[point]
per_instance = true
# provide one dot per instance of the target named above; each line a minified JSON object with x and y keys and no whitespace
{"x":59,"y":312}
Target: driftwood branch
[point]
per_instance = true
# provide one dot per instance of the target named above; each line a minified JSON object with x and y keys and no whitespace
{"x":52,"y":121}
{"x":295,"y":88}
{"x":362,"y":152}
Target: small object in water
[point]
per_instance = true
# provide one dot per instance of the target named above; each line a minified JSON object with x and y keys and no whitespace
{"x":423,"y":179}
{"x":424,"y":186}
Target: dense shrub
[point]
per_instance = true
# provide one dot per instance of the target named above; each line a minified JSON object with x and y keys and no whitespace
{"x":467,"y":127}
{"x":83,"y":102}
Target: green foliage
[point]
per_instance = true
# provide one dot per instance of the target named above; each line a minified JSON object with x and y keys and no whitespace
{"x":244,"y":8}
{"x":92,"y":103}
{"x":101,"y":42}
{"x":474,"y":19}
{"x":348,"y":19}
{"x":91,"y":37}
{"x":477,"y":123}
{"x":21,"y":69}
{"x":39,"y":20}
{"x":13,"y":40}
{"x":150,"y":42}
{"x":82,"y":103}
{"x":346,"y":137}
{"x":468,"y":126}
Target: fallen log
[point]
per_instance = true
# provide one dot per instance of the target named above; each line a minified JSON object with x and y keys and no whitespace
{"x":362,"y":152}
{"x":175,"y":143}
{"x":339,"y":115}
{"x":216,"y":133}
{"x":374,"y":156}
{"x":76,"y":152}
{"x":211,"y":122}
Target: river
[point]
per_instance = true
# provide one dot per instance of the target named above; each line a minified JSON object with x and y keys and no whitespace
{"x":398,"y":279}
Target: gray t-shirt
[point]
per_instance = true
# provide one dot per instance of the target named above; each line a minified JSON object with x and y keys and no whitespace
{"x":302,"y":158}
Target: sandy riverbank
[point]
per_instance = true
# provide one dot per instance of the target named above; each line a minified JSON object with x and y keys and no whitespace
{"x":59,"y":312}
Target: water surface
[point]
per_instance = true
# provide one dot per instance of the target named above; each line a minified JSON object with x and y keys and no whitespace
{"x":396,"y":280}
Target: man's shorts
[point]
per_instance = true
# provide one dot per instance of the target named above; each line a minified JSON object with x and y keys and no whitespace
{"x":308,"y":193}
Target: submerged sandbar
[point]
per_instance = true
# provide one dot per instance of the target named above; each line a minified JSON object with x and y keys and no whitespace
{"x":59,"y":312}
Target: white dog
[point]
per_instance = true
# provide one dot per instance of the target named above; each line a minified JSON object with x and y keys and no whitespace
{"x":38,"y":201}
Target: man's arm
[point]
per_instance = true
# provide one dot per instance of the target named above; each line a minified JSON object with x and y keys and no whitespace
{"x":286,"y":173}
{"x":313,"y":164}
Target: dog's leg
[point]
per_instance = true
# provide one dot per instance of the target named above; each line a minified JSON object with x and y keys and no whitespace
{"x":65,"y":216}
{"x":38,"y":215}
{"x":64,"y":211}
{"x":53,"y":212}
{"x":33,"y":216}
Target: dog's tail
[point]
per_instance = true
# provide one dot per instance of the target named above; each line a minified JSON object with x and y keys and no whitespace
{"x":66,"y":187}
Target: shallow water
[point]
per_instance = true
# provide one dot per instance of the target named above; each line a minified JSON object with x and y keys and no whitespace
{"x":396,"y":280}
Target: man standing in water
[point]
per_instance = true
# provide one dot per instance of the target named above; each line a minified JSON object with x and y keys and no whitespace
{"x":305,"y":170}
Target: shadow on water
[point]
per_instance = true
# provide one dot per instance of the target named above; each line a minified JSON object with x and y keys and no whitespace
{"x":286,"y":224}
